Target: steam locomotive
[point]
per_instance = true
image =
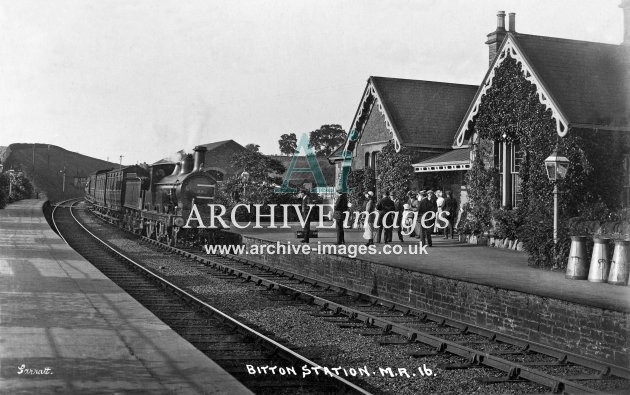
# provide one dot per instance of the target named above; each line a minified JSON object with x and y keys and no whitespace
{"x":154,"y":201}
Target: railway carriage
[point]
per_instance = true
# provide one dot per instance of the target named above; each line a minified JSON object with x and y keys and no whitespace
{"x":89,"y":187}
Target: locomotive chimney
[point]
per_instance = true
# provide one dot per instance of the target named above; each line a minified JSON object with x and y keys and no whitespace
{"x":187,"y":164}
{"x":496,"y":37}
{"x":200,"y":155}
{"x":176,"y":170}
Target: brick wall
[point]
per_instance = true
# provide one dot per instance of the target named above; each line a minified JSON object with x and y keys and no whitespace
{"x":588,"y":331}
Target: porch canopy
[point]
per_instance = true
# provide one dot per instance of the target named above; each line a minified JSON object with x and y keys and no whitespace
{"x":454,"y":160}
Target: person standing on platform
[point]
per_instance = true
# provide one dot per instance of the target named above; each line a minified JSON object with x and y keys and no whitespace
{"x":411,"y":199}
{"x":370,"y":207}
{"x":384,"y":206}
{"x":439,"y":202}
{"x":425,"y":206}
{"x":339,"y":214}
{"x":415,"y":207}
{"x":399,"y":206}
{"x":306,"y":200}
{"x":433,"y":200}
{"x":451,"y":205}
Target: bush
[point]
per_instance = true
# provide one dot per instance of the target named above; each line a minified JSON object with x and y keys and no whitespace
{"x":507,"y":223}
{"x":468,"y":224}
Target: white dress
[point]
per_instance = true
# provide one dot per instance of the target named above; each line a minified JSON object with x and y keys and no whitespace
{"x":439,"y":202}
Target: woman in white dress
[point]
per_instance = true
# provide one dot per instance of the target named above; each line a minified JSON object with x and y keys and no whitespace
{"x":440,"y":204}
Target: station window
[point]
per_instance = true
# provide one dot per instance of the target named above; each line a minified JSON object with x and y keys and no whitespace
{"x":514,"y":156}
{"x":516,"y":162}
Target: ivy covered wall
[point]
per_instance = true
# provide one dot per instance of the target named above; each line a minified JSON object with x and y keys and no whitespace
{"x":510,"y":111}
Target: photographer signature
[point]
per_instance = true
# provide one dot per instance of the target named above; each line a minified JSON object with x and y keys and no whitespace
{"x":22,"y":369}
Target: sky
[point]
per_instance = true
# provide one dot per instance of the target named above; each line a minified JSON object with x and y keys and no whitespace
{"x":144,"y":79}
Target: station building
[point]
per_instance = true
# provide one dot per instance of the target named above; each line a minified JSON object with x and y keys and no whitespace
{"x":420,"y":116}
{"x":581,"y":90}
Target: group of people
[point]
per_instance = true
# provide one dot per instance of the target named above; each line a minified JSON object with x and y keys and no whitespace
{"x":418,"y":202}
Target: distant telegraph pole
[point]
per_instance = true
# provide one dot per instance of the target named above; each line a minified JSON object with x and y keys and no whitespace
{"x":63,"y":182}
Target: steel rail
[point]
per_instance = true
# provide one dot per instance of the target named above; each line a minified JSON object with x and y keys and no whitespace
{"x":553,"y":352}
{"x":52,"y":217}
{"x":270,"y":344}
{"x":513,"y":369}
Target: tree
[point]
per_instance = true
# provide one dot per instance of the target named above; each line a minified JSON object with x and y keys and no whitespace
{"x":4,"y":189}
{"x":327,"y":139}
{"x":253,"y":147}
{"x":22,"y":187}
{"x":263,"y":174}
{"x":288,"y":143}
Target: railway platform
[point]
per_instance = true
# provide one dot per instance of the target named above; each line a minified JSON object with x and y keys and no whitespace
{"x":483,"y":286}
{"x":66,"y":328}
{"x":496,"y":267}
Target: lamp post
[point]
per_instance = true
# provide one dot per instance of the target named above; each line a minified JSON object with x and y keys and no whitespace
{"x":556,"y":166}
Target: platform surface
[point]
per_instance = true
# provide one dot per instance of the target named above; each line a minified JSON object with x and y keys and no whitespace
{"x":59,"y":314}
{"x":496,"y":267}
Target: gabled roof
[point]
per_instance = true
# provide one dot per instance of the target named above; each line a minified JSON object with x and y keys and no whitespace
{"x":417,"y":113}
{"x":163,"y":161}
{"x":589,"y":80}
{"x":423,"y":112}
{"x":585,"y":84}
{"x":217,"y":144}
{"x":209,"y":147}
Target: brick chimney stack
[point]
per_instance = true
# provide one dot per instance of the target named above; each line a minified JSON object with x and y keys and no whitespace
{"x":512,"y":22}
{"x":625,"y":6}
{"x":496,"y":37}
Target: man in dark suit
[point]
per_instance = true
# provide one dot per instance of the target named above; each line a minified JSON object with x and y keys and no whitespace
{"x":426,"y":227}
{"x":306,"y":200}
{"x":450,"y":205}
{"x":384,"y":206}
{"x":339,"y":214}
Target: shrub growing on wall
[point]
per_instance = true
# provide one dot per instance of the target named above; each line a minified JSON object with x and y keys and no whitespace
{"x":394,"y":170}
{"x":360,"y":181}
{"x":510,"y":111}
{"x":483,"y":193}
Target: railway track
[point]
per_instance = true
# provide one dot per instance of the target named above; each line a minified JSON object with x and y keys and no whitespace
{"x":230,"y":343}
{"x":400,"y":326}
{"x":519,"y":359}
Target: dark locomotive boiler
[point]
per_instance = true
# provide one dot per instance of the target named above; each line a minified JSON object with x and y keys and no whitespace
{"x":156,"y":201}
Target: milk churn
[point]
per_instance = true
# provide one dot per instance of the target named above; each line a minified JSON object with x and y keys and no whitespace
{"x":577,"y":267}
{"x":619,"y":264}
{"x":600,"y":261}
